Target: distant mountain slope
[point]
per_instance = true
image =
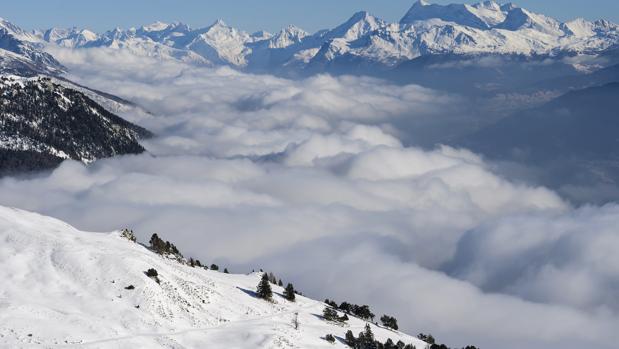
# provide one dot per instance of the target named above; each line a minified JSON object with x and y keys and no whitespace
{"x":582,"y":123}
{"x":44,"y":123}
{"x":21,"y":53}
{"x":572,"y":140}
{"x":64,"y":287}
{"x":426,"y":29}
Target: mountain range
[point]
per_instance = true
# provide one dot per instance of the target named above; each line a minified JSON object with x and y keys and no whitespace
{"x":425,"y":30}
{"x":487,"y":46}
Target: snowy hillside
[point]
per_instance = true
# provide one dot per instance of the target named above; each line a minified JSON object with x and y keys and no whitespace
{"x":61,"y":286}
{"x":426,"y":29}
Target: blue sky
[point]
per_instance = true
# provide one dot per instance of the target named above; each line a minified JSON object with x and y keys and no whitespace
{"x":250,"y":15}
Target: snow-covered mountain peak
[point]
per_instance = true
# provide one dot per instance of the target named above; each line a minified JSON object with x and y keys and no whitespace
{"x":360,"y":24}
{"x":16,"y":31}
{"x":489,"y":12}
{"x":508,"y":7}
{"x":489,"y":5}
{"x":481,"y":16}
{"x":219,"y":23}
{"x":293,"y":29}
{"x":156,"y":26}
{"x":22,"y":52}
{"x":579,"y":27}
{"x":520,"y":18}
{"x":288,"y":36}
{"x":420,"y":3}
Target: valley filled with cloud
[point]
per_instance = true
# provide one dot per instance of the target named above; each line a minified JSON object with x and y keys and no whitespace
{"x":315,"y":180}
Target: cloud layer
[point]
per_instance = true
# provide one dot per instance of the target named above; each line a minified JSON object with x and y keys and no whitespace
{"x":311,"y":179}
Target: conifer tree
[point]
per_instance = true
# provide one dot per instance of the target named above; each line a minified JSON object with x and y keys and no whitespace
{"x":350,"y":339}
{"x":264,"y":288}
{"x":156,"y":244}
{"x":366,"y":338}
{"x":289,"y":293}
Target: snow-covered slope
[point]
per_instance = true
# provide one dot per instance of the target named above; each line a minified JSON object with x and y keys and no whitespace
{"x":426,"y":29}
{"x":64,"y":287}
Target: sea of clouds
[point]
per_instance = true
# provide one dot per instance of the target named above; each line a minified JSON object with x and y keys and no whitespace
{"x":312,"y":180}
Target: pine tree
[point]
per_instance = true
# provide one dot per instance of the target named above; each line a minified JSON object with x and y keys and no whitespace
{"x":350,"y":339}
{"x":366,"y":338}
{"x":330,"y":338}
{"x":226,"y":271}
{"x":272,"y":279}
{"x":264,"y":288}
{"x":280,"y":283}
{"x":289,"y":293}
{"x":156,"y":244}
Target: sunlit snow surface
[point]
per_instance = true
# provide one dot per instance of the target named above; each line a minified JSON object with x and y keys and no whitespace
{"x":61,"y":286}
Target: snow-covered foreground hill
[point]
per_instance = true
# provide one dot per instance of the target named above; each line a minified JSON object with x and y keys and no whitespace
{"x":64,"y":288}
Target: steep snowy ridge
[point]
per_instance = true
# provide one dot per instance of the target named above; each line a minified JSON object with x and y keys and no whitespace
{"x":22,"y":53}
{"x":44,"y":122}
{"x":65,"y":287}
{"x":426,"y":29}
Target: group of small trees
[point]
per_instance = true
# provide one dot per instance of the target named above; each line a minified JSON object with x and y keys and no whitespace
{"x":164,"y":247}
{"x":330,"y":314}
{"x":360,"y":311}
{"x":275,"y":281}
{"x":428,"y":338}
{"x":129,"y":235}
{"x":264,"y":291}
{"x":389,"y":321}
{"x":366,"y":340}
{"x":196,"y":263}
